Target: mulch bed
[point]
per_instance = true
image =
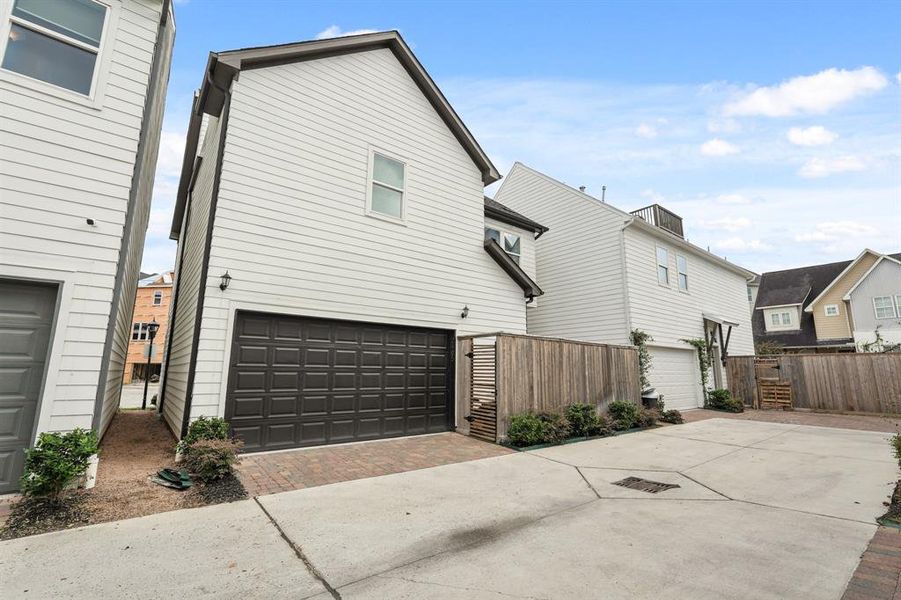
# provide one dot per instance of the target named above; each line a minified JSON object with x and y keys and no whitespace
{"x":892,"y":517}
{"x":135,"y":446}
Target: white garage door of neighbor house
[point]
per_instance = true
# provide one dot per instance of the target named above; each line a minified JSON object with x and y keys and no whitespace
{"x":676,"y":375}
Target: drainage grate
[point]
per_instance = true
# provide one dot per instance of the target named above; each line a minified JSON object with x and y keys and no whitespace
{"x":645,"y":485}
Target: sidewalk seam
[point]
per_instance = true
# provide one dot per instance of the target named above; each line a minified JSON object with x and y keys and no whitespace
{"x":299,"y":552}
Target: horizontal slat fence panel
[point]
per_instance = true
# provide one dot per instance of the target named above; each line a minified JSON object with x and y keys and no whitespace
{"x":852,"y":382}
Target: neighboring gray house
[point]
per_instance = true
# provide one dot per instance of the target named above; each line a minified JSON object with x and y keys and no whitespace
{"x":342,"y":196}
{"x":875,"y":303}
{"x":606,"y":272}
{"x":82,"y":92}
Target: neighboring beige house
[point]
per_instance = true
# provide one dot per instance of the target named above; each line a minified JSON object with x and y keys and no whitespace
{"x":332,"y":243}
{"x":606,"y":272}
{"x":82,"y":91}
{"x":833,"y":307}
{"x":153,"y":300}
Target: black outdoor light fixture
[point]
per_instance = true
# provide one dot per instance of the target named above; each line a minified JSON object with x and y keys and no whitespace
{"x":465,"y":312}
{"x":224,"y":281}
{"x":152,"y":328}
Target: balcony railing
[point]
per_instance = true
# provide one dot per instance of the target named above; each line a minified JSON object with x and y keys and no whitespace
{"x":662,"y":218}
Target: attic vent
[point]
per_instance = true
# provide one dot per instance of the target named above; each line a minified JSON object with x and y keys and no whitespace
{"x":645,"y":485}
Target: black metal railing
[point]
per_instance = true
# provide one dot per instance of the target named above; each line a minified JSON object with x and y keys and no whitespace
{"x":660,"y":217}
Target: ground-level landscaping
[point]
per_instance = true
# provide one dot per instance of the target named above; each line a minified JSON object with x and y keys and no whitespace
{"x":136,"y":446}
{"x":748,"y":520}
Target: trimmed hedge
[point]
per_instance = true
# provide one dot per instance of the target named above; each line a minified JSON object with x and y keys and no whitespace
{"x":722,"y":399}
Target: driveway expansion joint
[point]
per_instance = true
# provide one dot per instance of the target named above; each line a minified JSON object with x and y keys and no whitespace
{"x":459,"y":587}
{"x":298,"y":551}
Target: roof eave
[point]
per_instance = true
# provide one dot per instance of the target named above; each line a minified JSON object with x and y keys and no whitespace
{"x":511,"y":267}
{"x":522,"y":223}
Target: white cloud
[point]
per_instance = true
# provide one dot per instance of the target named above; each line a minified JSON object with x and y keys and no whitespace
{"x":727,"y":223}
{"x":733,"y":199}
{"x":721,"y":125}
{"x":816,"y":168}
{"x":172,"y":149}
{"x":815,"y":94}
{"x":646,"y":131}
{"x":898,"y":76}
{"x":334,"y":31}
{"x":653,"y":196}
{"x":738,"y":244}
{"x":812,"y":136}
{"x":718,"y":147}
{"x":835,"y":231}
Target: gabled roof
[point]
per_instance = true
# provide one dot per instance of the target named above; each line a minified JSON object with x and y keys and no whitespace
{"x":835,"y":280}
{"x":499,"y":212}
{"x":222,"y":67}
{"x":895,"y":258}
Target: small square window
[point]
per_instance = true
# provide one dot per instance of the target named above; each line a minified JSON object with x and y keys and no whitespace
{"x":387,"y":183}
{"x":493,"y":234}
{"x":139,"y":332}
{"x":157,"y":298}
{"x":831,"y":310}
{"x":511,"y":246}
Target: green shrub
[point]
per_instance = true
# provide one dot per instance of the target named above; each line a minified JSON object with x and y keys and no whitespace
{"x":56,"y":461}
{"x":722,"y":400}
{"x":555,"y":427}
{"x":896,"y":444}
{"x":525,"y":429}
{"x":210,"y":460}
{"x":624,"y":414}
{"x":204,"y":428}
{"x":671,"y":416}
{"x":584,"y":421}
{"x":647,"y":418}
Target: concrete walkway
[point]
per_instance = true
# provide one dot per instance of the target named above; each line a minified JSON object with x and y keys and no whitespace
{"x":763,"y":511}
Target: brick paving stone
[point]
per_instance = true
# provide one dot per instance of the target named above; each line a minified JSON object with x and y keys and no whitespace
{"x":878,"y":576}
{"x":799,"y":417}
{"x":272,"y":472}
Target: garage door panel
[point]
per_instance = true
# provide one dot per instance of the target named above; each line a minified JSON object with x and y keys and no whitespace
{"x":675,"y":374}
{"x":335,"y":381}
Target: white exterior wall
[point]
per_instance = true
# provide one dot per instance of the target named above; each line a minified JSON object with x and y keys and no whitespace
{"x":65,"y":158}
{"x":579,"y":259}
{"x":883,"y":280}
{"x":290,"y":225}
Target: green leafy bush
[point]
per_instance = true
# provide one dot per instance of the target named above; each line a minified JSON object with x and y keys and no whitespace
{"x":555,"y":427}
{"x":204,"y":428}
{"x":210,"y":460}
{"x":525,"y":429}
{"x":56,"y":461}
{"x":722,"y":400}
{"x":584,"y":421}
{"x":672,"y":416}
{"x":647,"y":418}
{"x":624,"y":414}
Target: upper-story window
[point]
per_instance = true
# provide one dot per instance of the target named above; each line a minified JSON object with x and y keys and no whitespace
{"x":782,"y":319}
{"x":157,"y":298}
{"x":885,"y":307}
{"x":386,"y":187}
{"x":662,"y":266}
{"x":510,"y":242}
{"x":831,"y":310}
{"x":682,"y":268}
{"x":56,"y":41}
{"x":139,"y":332}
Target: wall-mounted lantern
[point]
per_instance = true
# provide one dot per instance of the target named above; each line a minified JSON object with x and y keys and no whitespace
{"x":224,"y":281}
{"x":465,"y":312}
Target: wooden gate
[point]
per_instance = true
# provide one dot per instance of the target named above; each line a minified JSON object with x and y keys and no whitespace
{"x":772,"y":390}
{"x":483,"y":392}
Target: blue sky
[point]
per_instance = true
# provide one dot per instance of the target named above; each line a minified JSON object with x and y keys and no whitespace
{"x":773,"y":128}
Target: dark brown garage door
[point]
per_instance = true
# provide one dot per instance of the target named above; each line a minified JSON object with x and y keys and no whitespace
{"x":297,"y":381}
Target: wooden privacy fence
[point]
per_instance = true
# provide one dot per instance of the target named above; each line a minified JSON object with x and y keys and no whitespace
{"x":503,"y":374}
{"x":852,"y":382}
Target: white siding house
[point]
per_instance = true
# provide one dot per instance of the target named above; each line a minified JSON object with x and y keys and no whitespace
{"x":344,"y":198}
{"x":82,"y":88}
{"x":606,"y":272}
{"x":875,"y":304}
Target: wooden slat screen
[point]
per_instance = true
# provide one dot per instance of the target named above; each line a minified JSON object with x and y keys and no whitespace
{"x":483,"y":392}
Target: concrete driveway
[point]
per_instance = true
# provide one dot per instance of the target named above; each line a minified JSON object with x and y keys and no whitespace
{"x":763,"y":510}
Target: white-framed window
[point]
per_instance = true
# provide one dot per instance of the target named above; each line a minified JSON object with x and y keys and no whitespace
{"x":662,"y":266}
{"x":831,"y":310}
{"x":750,"y":295}
{"x":139,"y":332}
{"x":157,"y":298}
{"x":386,"y":196}
{"x":682,"y":268}
{"x":898,"y":304}
{"x":510,"y":242}
{"x":781,"y":319}
{"x":58,"y":42}
{"x":885,"y":307}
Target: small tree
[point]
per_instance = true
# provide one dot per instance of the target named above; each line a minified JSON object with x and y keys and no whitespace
{"x":640,"y":340}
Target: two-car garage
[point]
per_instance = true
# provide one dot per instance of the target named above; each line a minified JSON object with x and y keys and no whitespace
{"x":300,"y":381}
